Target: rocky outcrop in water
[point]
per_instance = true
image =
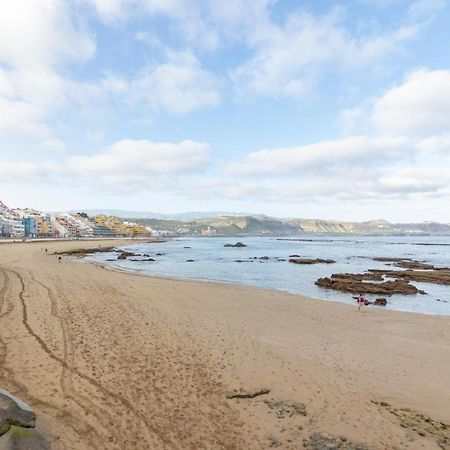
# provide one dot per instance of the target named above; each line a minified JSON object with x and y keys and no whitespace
{"x":308,"y":261}
{"x":17,"y":425}
{"x":345,"y":283}
{"x":238,"y":244}
{"x":437,"y":275}
{"x":406,"y":263}
{"x":125,"y":255}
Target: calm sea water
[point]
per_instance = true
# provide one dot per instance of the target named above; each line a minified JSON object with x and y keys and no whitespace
{"x":212,"y":261}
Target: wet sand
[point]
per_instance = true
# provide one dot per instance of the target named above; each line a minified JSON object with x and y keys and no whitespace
{"x":113,"y":360}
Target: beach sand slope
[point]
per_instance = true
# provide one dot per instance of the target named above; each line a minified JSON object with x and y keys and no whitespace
{"x":112,"y":360}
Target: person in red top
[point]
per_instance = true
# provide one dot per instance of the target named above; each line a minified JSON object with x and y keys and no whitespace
{"x":361,"y":301}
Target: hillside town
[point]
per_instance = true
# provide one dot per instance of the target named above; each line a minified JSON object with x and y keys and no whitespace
{"x":28,"y":223}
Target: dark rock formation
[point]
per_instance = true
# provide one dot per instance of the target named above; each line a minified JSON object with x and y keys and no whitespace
{"x":286,"y":409}
{"x":406,"y":263}
{"x":437,"y":276}
{"x":86,"y":251}
{"x":420,"y":423}
{"x":125,"y":255}
{"x":248,"y":394}
{"x":189,"y":260}
{"x":322,"y":441}
{"x":341,"y":282}
{"x":380,"y":301}
{"x":145,"y":259}
{"x":311,"y":261}
{"x":17,"y":422}
{"x":359,"y":276}
{"x":238,"y":244}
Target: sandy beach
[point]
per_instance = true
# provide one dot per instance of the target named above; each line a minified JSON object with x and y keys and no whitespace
{"x":113,"y":360}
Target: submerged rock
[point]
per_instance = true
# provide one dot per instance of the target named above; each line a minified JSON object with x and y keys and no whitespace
{"x":406,"y":263}
{"x":238,"y":244}
{"x":311,"y":261}
{"x":436,"y":276}
{"x":380,"y":302}
{"x":125,"y":255}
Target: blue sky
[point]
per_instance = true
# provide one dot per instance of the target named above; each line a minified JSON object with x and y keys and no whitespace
{"x":289,"y":108}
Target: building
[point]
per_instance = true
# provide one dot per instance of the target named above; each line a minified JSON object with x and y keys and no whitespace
{"x":30,"y":226}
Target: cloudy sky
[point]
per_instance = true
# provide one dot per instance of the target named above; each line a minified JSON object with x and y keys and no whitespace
{"x":290,"y":108}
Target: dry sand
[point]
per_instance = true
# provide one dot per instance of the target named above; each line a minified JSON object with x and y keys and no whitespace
{"x":120,"y":361}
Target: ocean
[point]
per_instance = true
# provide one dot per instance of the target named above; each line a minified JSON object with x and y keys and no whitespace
{"x":210,"y":260}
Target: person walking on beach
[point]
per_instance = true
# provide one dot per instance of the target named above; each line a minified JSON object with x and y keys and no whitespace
{"x":361,"y":301}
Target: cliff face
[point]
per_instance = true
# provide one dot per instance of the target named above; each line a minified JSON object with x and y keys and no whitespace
{"x":269,"y":226}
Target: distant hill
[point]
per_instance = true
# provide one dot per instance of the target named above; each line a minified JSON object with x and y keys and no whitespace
{"x":260,"y":225}
{"x":191,"y":215}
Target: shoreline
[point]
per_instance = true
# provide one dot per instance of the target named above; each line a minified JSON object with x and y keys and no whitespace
{"x":105,"y":265}
{"x":135,"y":361}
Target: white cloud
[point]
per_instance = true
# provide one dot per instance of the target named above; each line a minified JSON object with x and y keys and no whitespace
{"x":419,"y":106}
{"x":426,"y":9}
{"x":127,"y":165}
{"x":178,"y":85}
{"x":324,"y":157}
{"x":36,"y":39}
{"x":289,"y":59}
{"x":141,"y":157}
{"x":20,"y":118}
{"x":40,"y":34}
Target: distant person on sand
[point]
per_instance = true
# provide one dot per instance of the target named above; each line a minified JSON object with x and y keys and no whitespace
{"x":361,"y":301}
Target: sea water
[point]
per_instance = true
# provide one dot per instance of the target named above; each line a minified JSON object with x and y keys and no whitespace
{"x":212,"y":261}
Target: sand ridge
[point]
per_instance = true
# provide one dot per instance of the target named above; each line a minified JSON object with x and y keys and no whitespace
{"x":113,"y":360}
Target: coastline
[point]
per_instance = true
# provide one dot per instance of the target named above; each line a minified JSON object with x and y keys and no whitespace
{"x":151,"y":359}
{"x":336,"y":295}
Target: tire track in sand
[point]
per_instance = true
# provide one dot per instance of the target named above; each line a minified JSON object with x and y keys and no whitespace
{"x":66,"y":378}
{"x":152,"y":430}
{"x":3,"y":347}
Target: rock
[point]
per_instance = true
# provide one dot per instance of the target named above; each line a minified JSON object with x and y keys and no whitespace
{"x":190,"y":260}
{"x":380,"y":301}
{"x":322,"y":441}
{"x":125,"y":255}
{"x":436,"y":276}
{"x":19,"y":438}
{"x":265,"y":258}
{"x":345,"y":283}
{"x":311,"y":261}
{"x":86,"y":251}
{"x":286,"y":409}
{"x":294,"y":256}
{"x":422,"y":424}
{"x":247,"y":394}
{"x":186,"y":247}
{"x":406,"y":263}
{"x":145,"y":259}
{"x":17,"y":422}
{"x":359,"y":276}
{"x":238,"y":244}
{"x":14,"y":411}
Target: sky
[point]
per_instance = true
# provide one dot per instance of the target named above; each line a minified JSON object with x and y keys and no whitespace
{"x":312,"y":109}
